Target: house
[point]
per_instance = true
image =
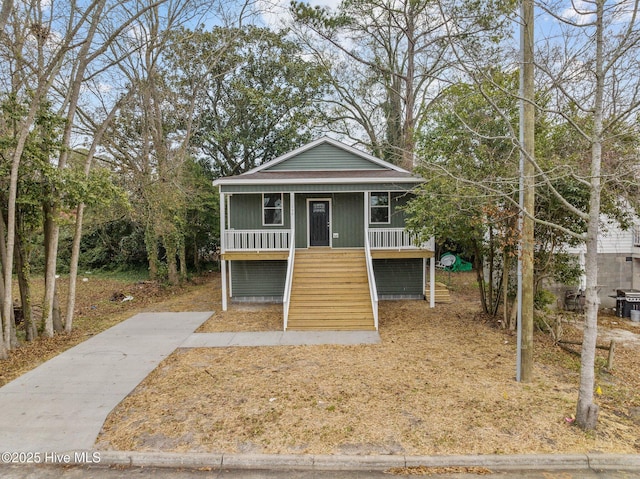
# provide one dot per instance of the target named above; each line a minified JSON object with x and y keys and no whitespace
{"x":322,"y":230}
{"x":618,"y":261}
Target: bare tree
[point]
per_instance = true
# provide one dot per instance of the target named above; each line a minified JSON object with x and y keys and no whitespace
{"x":48,"y":49}
{"x":586,"y":82}
{"x":35,"y":57}
{"x":155,"y":153}
{"x":593,"y":68}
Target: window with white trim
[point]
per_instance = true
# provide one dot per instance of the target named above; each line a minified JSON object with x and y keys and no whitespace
{"x":379,"y":208}
{"x":272,"y":209}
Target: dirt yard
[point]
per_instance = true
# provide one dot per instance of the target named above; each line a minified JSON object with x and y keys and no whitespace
{"x":440,"y":382}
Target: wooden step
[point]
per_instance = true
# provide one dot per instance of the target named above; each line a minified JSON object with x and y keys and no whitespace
{"x":441,"y":295}
{"x":330,"y":291}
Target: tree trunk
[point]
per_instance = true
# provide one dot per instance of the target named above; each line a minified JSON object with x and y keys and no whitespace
{"x":77,"y":234}
{"x":24,"y":278}
{"x":527,"y":138}
{"x":50,"y":247}
{"x":56,"y":317}
{"x":171,"y":247}
{"x":151,"y":243}
{"x":506,"y":263}
{"x":7,"y":303}
{"x":183,"y":260}
{"x":587,"y":410}
{"x":73,"y":269}
{"x":491,"y":254}
{"x":196,"y":256}
{"x":3,"y":261}
{"x":5,"y":11}
{"x":479,"y":267}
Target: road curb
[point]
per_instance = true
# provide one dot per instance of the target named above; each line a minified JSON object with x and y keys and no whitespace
{"x":622,"y":462}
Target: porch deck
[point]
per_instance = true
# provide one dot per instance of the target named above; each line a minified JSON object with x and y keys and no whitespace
{"x":385,"y":243}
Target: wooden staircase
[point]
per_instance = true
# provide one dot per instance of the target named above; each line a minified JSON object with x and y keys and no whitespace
{"x":330,"y":291}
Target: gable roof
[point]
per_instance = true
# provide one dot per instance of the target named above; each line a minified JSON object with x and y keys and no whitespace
{"x":320,"y":162}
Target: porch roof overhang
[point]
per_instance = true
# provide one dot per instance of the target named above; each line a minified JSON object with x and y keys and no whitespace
{"x":315,"y":181}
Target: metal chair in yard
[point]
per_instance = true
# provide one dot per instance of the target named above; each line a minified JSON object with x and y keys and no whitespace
{"x":574,"y":300}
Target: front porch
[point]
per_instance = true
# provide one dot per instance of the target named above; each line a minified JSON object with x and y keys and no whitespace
{"x":330,"y":294}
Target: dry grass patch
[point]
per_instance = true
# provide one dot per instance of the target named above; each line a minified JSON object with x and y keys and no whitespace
{"x":440,"y":382}
{"x":100,"y":305}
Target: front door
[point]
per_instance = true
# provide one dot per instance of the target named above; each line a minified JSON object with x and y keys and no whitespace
{"x":319,"y":223}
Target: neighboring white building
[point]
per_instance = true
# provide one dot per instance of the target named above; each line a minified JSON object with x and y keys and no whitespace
{"x":618,"y":261}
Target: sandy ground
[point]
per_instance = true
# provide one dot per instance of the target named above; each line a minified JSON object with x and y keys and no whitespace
{"x":440,"y":382}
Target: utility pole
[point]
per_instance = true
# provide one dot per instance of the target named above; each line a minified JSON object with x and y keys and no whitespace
{"x":527,"y":196}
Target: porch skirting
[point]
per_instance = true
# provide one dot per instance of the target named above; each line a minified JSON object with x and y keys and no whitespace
{"x":397,"y":297}
{"x":257,"y":299}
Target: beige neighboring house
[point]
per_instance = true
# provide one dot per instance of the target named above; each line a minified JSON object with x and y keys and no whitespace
{"x":618,"y":261}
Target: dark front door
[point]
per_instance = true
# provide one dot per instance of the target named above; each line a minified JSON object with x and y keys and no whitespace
{"x":318,"y":223}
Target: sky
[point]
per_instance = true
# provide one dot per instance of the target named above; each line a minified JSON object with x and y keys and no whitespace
{"x":277,"y":11}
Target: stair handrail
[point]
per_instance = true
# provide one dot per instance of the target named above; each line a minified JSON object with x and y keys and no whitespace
{"x":373,"y":290}
{"x":289,"y":281}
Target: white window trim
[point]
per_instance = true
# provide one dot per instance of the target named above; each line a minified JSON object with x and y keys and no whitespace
{"x":281,"y":208}
{"x":388,"y":222}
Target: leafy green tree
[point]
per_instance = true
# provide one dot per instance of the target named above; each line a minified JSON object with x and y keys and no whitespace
{"x":258,"y":101}
{"x":455,"y":164}
{"x":469,"y":163}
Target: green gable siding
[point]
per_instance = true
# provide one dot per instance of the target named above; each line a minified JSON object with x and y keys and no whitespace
{"x":258,"y":279}
{"x":245,"y":212}
{"x":398,"y":277}
{"x":325,"y":157}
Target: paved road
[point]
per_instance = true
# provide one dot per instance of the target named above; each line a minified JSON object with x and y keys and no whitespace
{"x":93,"y":472}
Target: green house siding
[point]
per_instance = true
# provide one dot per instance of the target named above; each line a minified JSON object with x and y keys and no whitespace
{"x":347,"y":211}
{"x":245,"y":212}
{"x":325,"y":157}
{"x":398,"y":277}
{"x":258,"y":279}
{"x":348,"y":220}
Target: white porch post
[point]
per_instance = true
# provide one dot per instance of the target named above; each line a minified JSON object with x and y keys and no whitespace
{"x":292,"y":217}
{"x":424,"y":277}
{"x":366,"y":213}
{"x":432,"y":281}
{"x":223,"y":246}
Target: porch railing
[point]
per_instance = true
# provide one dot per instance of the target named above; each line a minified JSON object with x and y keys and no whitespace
{"x":288,"y":284}
{"x":395,"y":238}
{"x":257,"y":240}
{"x":373,"y":289}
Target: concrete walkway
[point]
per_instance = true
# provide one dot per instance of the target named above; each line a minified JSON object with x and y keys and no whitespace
{"x":280,"y":338}
{"x":62,"y":404}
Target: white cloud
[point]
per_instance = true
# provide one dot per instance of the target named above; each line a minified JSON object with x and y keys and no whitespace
{"x":275,"y":13}
{"x":580,"y":12}
{"x":583,"y":12}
